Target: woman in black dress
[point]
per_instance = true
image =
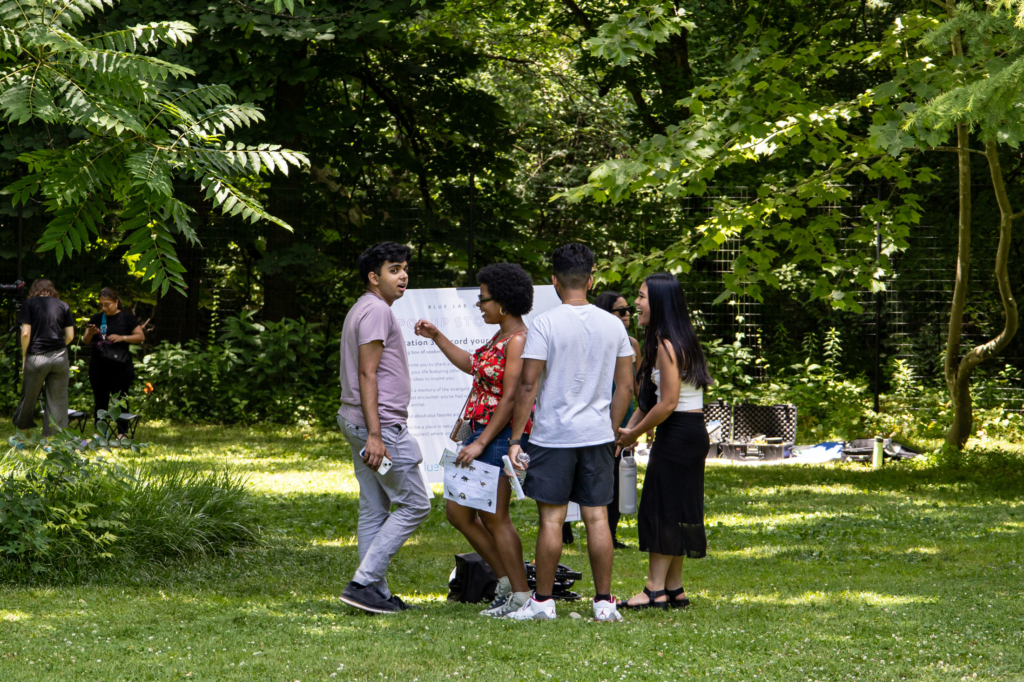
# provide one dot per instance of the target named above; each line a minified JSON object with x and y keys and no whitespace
{"x":111,"y":371}
{"x":671,"y":515}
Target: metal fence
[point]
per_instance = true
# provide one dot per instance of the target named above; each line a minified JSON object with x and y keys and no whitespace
{"x":908,"y":322}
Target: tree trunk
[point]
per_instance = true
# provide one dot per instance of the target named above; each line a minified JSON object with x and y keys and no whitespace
{"x":959,"y":388}
{"x":285,"y":201}
{"x":959,"y":380}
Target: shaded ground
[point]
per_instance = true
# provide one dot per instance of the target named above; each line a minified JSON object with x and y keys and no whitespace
{"x":814,"y":573}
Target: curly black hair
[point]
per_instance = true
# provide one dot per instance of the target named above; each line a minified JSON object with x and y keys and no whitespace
{"x":509,"y":285}
{"x":374,"y":258}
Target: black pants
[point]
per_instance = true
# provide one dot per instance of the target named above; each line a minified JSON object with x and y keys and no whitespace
{"x":110,"y":379}
{"x":613,"y":508}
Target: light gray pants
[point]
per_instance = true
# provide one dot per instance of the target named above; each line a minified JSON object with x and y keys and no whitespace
{"x":382,"y":532}
{"x":50,"y":371}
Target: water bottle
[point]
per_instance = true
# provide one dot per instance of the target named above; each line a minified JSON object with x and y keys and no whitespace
{"x":523,"y":459}
{"x":627,"y":483}
{"x":878,"y":454}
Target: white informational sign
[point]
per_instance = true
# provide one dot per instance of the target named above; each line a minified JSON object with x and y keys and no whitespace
{"x":439,"y":389}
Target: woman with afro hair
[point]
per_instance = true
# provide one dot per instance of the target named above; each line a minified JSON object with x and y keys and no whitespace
{"x":506,"y":294}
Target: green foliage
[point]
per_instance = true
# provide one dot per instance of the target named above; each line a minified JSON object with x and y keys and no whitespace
{"x":280,"y":372}
{"x":59,"y":507}
{"x":774,"y":107}
{"x":132,"y":125}
{"x":833,"y":405}
{"x":625,"y":36}
{"x":66,"y":512}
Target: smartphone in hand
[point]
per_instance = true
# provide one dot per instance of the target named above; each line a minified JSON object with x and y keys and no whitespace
{"x":385,"y":464}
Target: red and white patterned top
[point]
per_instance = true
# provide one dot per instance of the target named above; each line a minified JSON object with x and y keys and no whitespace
{"x":488,"y":372}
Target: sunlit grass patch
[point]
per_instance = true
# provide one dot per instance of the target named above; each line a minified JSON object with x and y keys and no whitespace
{"x":817,"y":573}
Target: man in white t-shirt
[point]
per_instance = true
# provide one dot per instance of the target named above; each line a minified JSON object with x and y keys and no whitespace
{"x":573,"y":355}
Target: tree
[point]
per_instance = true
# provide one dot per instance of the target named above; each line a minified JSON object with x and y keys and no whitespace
{"x":967,"y":82}
{"x":781,"y":107}
{"x":130,"y":124}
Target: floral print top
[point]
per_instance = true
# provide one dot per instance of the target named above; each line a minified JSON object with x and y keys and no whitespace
{"x":488,"y":372}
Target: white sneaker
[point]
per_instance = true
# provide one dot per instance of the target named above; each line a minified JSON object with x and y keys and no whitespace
{"x":497,"y":605}
{"x":515,"y":601}
{"x":534,"y":610}
{"x":606,"y":611}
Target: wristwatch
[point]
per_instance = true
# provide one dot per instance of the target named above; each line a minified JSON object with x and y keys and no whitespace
{"x":515,"y":441}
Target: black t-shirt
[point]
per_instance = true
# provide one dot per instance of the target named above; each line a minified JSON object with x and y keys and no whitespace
{"x":48,"y":317}
{"x":122,"y":324}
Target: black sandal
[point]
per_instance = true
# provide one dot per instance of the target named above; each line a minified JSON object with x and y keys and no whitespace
{"x":651,"y":604}
{"x":677,"y":603}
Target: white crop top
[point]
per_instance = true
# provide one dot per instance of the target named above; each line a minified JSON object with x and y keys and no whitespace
{"x":690,"y":397}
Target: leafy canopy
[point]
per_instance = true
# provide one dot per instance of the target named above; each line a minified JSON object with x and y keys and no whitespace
{"x":134,"y":126}
{"x":775,"y":106}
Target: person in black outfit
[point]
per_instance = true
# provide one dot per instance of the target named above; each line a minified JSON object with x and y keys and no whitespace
{"x":111,"y":371}
{"x":671,"y":514}
{"x":47,"y":328}
{"x":616,"y":304}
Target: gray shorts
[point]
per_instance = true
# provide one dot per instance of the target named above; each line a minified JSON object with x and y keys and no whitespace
{"x":584,"y":475}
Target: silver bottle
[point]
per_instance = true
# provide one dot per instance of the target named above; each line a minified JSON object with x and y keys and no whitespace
{"x":627,"y":483}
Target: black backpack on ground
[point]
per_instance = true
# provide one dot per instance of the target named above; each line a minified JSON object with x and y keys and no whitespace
{"x":472,"y":581}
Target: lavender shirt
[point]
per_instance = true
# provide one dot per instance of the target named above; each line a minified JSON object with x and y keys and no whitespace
{"x":371,"y":319}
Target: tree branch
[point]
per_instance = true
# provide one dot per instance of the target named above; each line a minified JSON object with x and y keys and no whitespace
{"x":955,"y":150}
{"x":506,"y":59}
{"x":579,"y":14}
{"x":652,"y":124}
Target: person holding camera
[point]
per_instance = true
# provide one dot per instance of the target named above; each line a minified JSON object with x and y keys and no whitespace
{"x":111,"y":371}
{"x":47,"y":328}
{"x":671,"y":514}
{"x":506,"y":294}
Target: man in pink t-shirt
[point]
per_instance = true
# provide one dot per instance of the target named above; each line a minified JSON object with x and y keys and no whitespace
{"x":375,"y":391}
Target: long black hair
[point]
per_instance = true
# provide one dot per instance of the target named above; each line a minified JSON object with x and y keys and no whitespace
{"x":670,"y":321}
{"x":606,"y":301}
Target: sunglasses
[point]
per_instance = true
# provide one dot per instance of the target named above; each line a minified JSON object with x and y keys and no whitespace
{"x":624,"y":312}
{"x":481,"y":299}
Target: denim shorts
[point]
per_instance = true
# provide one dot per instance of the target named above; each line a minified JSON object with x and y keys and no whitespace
{"x":497,"y":448}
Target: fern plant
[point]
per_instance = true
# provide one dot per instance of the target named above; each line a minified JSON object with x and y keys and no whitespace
{"x":138,"y":125}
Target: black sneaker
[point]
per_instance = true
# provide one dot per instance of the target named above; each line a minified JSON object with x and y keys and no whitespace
{"x":367,"y":599}
{"x":401,"y":605}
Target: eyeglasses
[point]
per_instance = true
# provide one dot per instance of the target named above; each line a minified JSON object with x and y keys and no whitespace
{"x":481,"y":299}
{"x":624,"y":312}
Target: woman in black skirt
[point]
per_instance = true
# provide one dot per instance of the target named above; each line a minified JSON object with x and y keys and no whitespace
{"x":671,"y":518}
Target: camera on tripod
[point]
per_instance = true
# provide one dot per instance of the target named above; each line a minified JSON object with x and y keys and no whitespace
{"x":18,"y":286}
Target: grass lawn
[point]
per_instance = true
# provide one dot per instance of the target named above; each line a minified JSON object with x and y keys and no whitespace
{"x":814,"y":573}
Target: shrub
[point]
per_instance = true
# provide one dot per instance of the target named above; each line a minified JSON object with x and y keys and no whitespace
{"x":65,"y":511}
{"x":280,"y":372}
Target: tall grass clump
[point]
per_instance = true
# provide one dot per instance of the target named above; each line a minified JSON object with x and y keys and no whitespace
{"x":67,"y":512}
{"x":179,"y":512}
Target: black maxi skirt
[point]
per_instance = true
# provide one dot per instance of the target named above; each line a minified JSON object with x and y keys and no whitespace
{"x":671,"y":515}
